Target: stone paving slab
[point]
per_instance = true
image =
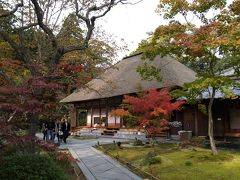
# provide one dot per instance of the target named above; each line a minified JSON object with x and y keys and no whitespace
{"x":96,"y":165}
{"x":99,"y":166}
{"x":82,"y":166}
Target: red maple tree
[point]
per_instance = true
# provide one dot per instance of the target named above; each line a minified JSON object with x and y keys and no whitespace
{"x":152,"y":110}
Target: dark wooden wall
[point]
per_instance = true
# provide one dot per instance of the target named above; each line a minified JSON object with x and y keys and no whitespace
{"x":191,"y":118}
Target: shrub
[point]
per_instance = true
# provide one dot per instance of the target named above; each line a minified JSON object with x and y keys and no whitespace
{"x":63,"y":159}
{"x":21,"y":132}
{"x":131,"y":123}
{"x":21,"y":148}
{"x":152,"y":154}
{"x":152,"y":160}
{"x":30,"y":166}
{"x":138,"y":143}
{"x":119,"y":143}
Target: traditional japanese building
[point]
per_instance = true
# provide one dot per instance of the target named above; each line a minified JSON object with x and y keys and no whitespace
{"x":93,"y":104}
{"x":105,"y":93}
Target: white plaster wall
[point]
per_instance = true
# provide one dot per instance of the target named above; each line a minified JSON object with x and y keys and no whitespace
{"x":111,"y":119}
{"x":118,"y":120}
{"x":89,"y":117}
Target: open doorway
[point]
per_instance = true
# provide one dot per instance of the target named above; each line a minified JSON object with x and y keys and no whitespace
{"x":82,"y":118}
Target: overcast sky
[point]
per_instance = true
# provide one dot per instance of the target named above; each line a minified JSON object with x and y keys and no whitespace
{"x":132,"y":22}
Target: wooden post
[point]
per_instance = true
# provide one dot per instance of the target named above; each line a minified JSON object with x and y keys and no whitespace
{"x":115,"y":118}
{"x":100,"y":113}
{"x":121,"y":122}
{"x":77,"y":116}
{"x":106,"y":123}
{"x":73,"y":116}
{"x":91,"y":110}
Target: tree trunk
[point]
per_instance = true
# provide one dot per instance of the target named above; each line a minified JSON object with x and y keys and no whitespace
{"x":33,"y":119}
{"x":210,"y":128}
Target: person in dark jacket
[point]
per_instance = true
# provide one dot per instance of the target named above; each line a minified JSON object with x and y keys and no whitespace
{"x":51,"y":128}
{"x":65,"y":129}
{"x":44,"y":130}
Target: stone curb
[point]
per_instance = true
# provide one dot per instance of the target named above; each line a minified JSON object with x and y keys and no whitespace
{"x":116,"y":163}
{"x":83,"y":167}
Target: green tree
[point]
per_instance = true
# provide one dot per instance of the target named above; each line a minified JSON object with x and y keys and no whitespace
{"x":29,"y":33}
{"x":209,"y":45}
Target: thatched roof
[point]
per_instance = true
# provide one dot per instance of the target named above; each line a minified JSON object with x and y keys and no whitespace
{"x":123,"y":79}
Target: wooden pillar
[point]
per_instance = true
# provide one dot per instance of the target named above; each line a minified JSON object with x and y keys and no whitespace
{"x":74,"y":116}
{"x":196,"y":119}
{"x":115,"y":118}
{"x":100,"y":112}
{"x":121,"y":122}
{"x":91,"y":111}
{"x":77,"y":117}
{"x":106,"y":123}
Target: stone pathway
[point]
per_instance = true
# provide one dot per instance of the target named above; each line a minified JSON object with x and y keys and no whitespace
{"x":94,"y":164}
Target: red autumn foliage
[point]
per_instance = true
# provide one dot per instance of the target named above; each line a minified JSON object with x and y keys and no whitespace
{"x":154,"y":101}
{"x":67,"y":67}
{"x":153,"y":109}
{"x":31,"y":96}
{"x":120,"y":112}
{"x":51,"y":149}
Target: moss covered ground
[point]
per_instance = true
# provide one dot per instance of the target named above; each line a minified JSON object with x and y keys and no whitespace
{"x":168,"y":162}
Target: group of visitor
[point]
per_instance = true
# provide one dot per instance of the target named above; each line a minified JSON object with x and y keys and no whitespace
{"x":52,"y":129}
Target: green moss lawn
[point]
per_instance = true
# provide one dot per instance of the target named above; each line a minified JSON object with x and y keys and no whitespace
{"x":168,"y":162}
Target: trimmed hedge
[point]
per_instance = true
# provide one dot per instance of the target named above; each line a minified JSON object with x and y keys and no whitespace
{"x":30,"y":166}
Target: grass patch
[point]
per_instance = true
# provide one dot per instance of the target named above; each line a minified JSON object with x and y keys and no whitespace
{"x":168,"y":162}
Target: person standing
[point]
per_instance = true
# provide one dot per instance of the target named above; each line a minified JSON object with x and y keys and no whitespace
{"x":44,"y":130}
{"x":51,"y":128}
{"x":58,"y":130}
{"x":65,"y":129}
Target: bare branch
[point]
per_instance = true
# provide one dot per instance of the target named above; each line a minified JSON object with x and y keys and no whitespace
{"x":59,"y":14}
{"x":10,"y":118}
{"x":131,"y":3}
{"x":8,"y":13}
{"x":90,"y":21}
{"x":77,"y":12}
{"x":95,"y":8}
{"x":74,"y":48}
{"x":88,"y":13}
{"x":39,"y":13}
{"x":110,"y":5}
{"x":27,"y":26}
